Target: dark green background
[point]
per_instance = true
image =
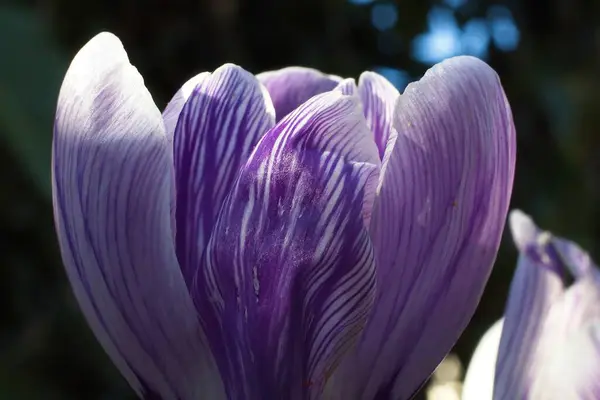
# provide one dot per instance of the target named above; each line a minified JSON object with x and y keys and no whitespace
{"x":551,"y":79}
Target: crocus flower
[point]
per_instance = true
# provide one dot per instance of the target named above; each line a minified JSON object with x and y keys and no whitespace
{"x":547,"y":346}
{"x":290,"y":235}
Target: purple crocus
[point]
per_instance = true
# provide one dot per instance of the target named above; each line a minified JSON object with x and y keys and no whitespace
{"x":547,"y":346}
{"x":290,"y":235}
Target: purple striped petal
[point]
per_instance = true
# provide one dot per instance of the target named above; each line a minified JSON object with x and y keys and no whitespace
{"x":550,"y":343}
{"x":289,"y":275}
{"x":173,"y":109}
{"x":438,"y":217}
{"x":479,"y":379}
{"x":378,"y":97}
{"x":536,"y":285}
{"x":289,"y":87}
{"x":111,"y":174}
{"x":224,"y":117}
{"x":170,"y":119}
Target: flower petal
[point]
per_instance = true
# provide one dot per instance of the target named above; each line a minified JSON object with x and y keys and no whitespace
{"x":535,"y":287}
{"x":111,"y":174}
{"x":574,"y":258}
{"x":173,"y":109}
{"x":550,"y":344}
{"x":224,"y":117}
{"x":290,"y":266}
{"x":437,"y":221}
{"x":569,"y":350}
{"x":348,"y":87}
{"x":479,"y":379}
{"x":170,"y":119}
{"x":289,"y":87}
{"x":379,"y":98}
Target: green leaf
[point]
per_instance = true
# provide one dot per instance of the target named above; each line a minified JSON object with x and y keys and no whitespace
{"x":31,"y":71}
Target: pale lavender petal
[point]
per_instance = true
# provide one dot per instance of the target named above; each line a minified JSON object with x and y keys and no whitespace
{"x":289,"y":87}
{"x":111,"y":174}
{"x":289,"y":278}
{"x":550,"y":347}
{"x":378,"y":97}
{"x":578,"y":262}
{"x":348,"y":87}
{"x":224,"y":117}
{"x":568,"y":351}
{"x":537,"y":284}
{"x":479,"y":379}
{"x":437,"y":220}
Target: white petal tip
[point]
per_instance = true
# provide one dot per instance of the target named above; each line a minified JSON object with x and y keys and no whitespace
{"x":104,"y":45}
{"x":99,"y":55}
{"x":105,"y":37}
{"x":522,"y":227}
{"x":368,"y":75}
{"x":468,"y":62}
{"x":347,"y":87}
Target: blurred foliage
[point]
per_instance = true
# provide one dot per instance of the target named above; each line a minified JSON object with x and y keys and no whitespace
{"x":46,"y":349}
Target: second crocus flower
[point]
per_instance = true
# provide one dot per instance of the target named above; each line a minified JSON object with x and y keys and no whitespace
{"x":548,"y":344}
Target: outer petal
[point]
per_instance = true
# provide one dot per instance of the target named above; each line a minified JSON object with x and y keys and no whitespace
{"x":537,"y":284}
{"x":289,"y":87}
{"x":223,"y":119}
{"x":290,"y":264}
{"x":569,"y":350}
{"x":437,"y":221}
{"x":379,"y":98}
{"x":479,"y":380}
{"x":111,"y":171}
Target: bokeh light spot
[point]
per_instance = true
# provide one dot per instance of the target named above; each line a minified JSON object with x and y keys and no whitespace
{"x":441,"y":41}
{"x":475,"y":39}
{"x":455,"y":3}
{"x":384,"y":16}
{"x":505,"y":33}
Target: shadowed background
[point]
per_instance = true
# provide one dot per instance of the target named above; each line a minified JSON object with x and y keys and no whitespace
{"x":547,"y":54}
